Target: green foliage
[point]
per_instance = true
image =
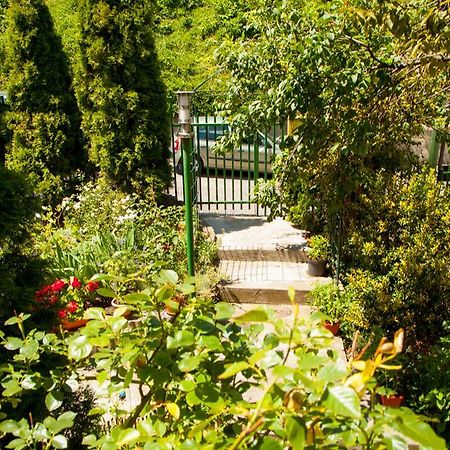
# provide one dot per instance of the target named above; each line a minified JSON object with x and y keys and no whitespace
{"x":340,"y":305}
{"x":358,"y":78}
{"x":425,"y":383}
{"x":187,"y":53}
{"x":195,"y":378}
{"x":20,"y":267}
{"x":400,"y":247}
{"x":318,"y":247}
{"x":122,"y":97}
{"x":106,"y":230}
{"x":42,"y":116}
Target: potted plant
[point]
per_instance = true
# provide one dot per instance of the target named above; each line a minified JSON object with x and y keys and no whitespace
{"x":335,"y":304}
{"x":388,"y":393}
{"x":318,"y":253}
{"x":67,"y":299}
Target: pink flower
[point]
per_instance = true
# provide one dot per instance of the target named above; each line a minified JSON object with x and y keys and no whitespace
{"x":72,"y":306}
{"x":62,"y":313}
{"x":75,"y":282}
{"x":92,"y":286}
{"x":58,"y":285}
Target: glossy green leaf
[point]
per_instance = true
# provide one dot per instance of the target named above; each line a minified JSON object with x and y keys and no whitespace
{"x":269,"y":443}
{"x":106,"y":293}
{"x":224,"y":310}
{"x":13,"y":343}
{"x":135,"y":297}
{"x":128,"y":437}
{"x":296,"y":432}
{"x":343,"y":401}
{"x":182,"y":338}
{"x":94,"y":314}
{"x":187,"y":385}
{"x":189,"y":363}
{"x":59,"y":441}
{"x":255,"y":315}
{"x":30,"y":349}
{"x":9,"y":426}
{"x":211,"y":343}
{"x":186,"y":288}
{"x":234,"y":368}
{"x":168,"y":276}
{"x":409,"y":425}
{"x":53,"y":400}
{"x":79,"y":348}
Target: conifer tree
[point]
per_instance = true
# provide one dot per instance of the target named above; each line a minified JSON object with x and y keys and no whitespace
{"x":122,"y":97}
{"x":43,"y":116}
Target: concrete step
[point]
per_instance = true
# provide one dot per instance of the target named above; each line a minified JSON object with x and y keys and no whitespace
{"x":266,"y":281}
{"x":271,"y":252}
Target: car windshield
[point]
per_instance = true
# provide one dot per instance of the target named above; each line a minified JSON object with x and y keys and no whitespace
{"x":211,"y":131}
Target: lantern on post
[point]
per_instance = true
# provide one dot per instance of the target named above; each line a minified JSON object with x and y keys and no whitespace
{"x":186,"y":137}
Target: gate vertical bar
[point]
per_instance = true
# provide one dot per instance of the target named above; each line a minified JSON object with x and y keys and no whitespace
{"x":186,"y":136}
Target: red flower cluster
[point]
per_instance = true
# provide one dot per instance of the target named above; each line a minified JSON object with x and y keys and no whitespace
{"x":66,"y":297}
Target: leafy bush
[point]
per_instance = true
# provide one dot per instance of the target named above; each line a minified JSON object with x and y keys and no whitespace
{"x":319,"y":247}
{"x":21,"y":269}
{"x":401,"y":251}
{"x":42,"y":117}
{"x":340,"y":306}
{"x":105,"y":230}
{"x":425,"y":383}
{"x":196,"y":376}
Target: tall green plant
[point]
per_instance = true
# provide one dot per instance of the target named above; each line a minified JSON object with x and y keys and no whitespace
{"x":43,"y":116}
{"x":122,"y":97}
{"x":20,"y":268}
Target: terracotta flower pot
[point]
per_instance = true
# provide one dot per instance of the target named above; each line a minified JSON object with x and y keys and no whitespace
{"x":333,"y":327}
{"x":394,"y":401}
{"x":73,"y":324}
{"x":316,"y":268}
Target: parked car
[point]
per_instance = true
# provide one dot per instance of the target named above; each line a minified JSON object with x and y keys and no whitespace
{"x":257,"y":150}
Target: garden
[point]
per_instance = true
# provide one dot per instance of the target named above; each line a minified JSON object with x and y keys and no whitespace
{"x":108,"y":342}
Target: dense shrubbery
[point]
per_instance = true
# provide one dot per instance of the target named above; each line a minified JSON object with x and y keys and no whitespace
{"x":103,"y":230}
{"x":398,"y":255}
{"x":42,"y":116}
{"x":203,"y":380}
{"x":20,"y":266}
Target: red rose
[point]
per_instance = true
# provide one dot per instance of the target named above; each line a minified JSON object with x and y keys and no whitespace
{"x":58,"y":285}
{"x":92,"y":286}
{"x":62,"y":313}
{"x":75,"y":282}
{"x":72,"y":306}
{"x":52,"y":299}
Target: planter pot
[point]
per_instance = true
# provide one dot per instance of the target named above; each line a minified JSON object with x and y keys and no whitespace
{"x":73,"y":324}
{"x":333,"y":327}
{"x":116,"y":304}
{"x":316,"y":268}
{"x":394,"y":401}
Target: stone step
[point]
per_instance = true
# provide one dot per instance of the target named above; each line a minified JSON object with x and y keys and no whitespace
{"x":269,"y":292}
{"x":266,"y":281}
{"x":278,"y":252}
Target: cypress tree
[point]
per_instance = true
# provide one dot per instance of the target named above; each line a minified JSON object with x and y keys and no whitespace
{"x":122,"y":97}
{"x":43,"y":116}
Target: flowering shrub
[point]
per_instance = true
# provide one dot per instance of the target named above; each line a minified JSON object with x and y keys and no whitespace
{"x":68,"y":299}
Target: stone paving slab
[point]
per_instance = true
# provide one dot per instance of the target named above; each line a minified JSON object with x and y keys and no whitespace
{"x":241,"y":233}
